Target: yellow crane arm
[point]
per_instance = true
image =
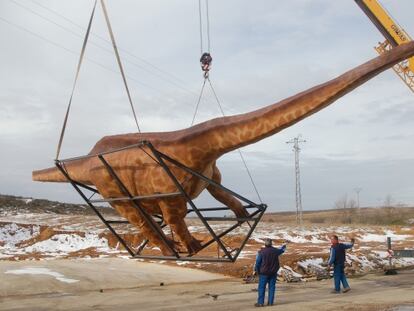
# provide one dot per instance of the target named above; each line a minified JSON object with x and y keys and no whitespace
{"x":385,"y":24}
{"x":389,"y":28}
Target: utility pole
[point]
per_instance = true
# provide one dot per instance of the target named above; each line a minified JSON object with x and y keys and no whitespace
{"x":295,"y":141}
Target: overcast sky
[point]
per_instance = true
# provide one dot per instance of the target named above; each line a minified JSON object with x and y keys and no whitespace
{"x":263,"y":51}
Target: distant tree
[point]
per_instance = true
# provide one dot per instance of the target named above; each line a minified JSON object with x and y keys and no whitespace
{"x":347,"y":209}
{"x":388,"y":201}
{"x":389,"y":209}
{"x":353,"y":210}
{"x":342,"y":202}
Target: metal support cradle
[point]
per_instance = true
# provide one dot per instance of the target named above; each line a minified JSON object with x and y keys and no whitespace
{"x":156,"y":222}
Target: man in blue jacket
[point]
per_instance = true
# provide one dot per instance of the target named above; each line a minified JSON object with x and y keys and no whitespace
{"x":337,"y":259}
{"x":267,"y":265}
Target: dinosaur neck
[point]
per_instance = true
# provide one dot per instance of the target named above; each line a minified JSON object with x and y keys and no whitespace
{"x":222,"y":135}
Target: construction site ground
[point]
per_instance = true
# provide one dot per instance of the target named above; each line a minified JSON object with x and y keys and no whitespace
{"x":119,"y":284}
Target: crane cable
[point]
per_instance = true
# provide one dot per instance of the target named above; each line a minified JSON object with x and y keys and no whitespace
{"x":201,"y":26}
{"x":205,"y":62}
{"x":205,"y":59}
{"x":118,"y":58}
{"x":85,"y":41}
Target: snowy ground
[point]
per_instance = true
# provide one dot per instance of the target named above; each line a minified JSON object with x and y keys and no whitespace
{"x":51,"y":236}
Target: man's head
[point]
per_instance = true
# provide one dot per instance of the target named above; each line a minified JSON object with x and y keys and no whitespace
{"x":334,"y":239}
{"x":268,"y":242}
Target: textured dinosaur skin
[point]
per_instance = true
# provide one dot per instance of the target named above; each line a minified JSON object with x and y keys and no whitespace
{"x":198,"y":147}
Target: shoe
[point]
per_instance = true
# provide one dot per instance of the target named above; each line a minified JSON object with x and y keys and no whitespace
{"x":345,"y":290}
{"x":270,"y":304}
{"x":335,"y":291}
{"x":258,"y":305}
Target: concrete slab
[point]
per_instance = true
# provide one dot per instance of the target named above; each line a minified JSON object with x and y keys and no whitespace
{"x":65,"y":276}
{"x":118,"y":284}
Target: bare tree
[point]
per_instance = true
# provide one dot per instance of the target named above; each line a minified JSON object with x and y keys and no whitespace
{"x":388,"y":201}
{"x":342,"y":202}
{"x":347,"y":209}
{"x":389,"y":209}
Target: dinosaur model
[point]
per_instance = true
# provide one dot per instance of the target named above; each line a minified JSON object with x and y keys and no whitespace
{"x":199,"y":147}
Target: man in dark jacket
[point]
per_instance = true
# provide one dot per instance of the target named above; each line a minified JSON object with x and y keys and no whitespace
{"x":337,"y":259}
{"x":267,"y":265}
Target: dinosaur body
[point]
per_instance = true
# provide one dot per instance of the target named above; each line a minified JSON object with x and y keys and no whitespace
{"x":198,"y":147}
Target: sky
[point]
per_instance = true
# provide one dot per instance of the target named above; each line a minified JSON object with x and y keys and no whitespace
{"x":263,"y":51}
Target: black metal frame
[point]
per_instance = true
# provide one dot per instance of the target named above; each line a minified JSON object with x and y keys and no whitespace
{"x":162,"y":159}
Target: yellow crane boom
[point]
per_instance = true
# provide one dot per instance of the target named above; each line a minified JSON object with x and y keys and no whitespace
{"x":394,"y":35}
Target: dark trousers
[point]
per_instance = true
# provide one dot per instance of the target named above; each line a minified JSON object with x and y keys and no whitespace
{"x":264,"y":280}
{"x":339,"y":277}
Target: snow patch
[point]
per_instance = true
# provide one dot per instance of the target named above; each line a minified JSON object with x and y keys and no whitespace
{"x":42,"y":271}
{"x":66,"y":243}
{"x":397,"y":237}
{"x":372,"y":237}
{"x":382,"y":254}
{"x":12,"y":234}
{"x":311,"y":261}
{"x":247,"y":254}
{"x":362,"y":260}
{"x":294,"y":274}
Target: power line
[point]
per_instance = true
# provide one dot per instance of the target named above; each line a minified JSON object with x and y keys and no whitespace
{"x":86,"y":58}
{"x":108,"y":50}
{"x":72,"y":52}
{"x":108,"y":42}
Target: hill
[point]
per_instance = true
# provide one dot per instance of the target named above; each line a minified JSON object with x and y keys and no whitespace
{"x":14,"y":205}
{"x":389,"y":215}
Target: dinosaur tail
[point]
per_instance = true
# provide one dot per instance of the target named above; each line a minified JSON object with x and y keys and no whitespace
{"x":52,"y":174}
{"x":75,"y":170}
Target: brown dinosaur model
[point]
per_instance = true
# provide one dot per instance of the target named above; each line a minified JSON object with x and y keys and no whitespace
{"x":198,"y":147}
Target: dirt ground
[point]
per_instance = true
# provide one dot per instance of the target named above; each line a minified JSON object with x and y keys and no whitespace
{"x":121,"y":284}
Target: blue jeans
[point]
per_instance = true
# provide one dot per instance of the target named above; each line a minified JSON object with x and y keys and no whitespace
{"x":339,"y":276}
{"x":263,"y":281}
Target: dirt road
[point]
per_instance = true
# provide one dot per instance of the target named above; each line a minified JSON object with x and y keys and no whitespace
{"x":109,"y":284}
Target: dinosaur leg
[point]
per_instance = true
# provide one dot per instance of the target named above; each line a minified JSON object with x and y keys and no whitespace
{"x":224,"y":197}
{"x":135,"y":219}
{"x":108,"y":189}
{"x":174,"y":213}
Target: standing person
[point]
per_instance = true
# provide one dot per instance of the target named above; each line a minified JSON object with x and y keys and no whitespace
{"x":337,"y":259}
{"x":267,"y":265}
